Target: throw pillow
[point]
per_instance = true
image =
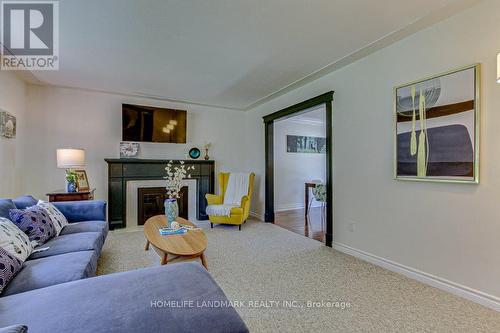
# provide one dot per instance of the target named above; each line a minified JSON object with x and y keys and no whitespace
{"x":58,"y":219}
{"x":35,"y":223}
{"x":14,"y":329}
{"x":9,"y":266}
{"x":14,"y":240}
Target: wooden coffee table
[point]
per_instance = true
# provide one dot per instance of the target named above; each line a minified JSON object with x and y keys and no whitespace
{"x":186,"y":246}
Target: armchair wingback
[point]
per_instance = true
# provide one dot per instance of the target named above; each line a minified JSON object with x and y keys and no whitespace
{"x":238,"y":214}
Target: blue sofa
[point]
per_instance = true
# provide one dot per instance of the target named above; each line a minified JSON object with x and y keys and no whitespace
{"x":53,"y":291}
{"x":70,"y":256}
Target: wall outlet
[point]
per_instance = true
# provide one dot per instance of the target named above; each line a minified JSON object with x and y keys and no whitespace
{"x":352,"y":226}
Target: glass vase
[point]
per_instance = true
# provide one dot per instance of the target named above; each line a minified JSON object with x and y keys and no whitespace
{"x":171,"y":210}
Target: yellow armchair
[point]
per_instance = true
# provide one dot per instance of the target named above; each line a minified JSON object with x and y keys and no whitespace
{"x":238,"y":215}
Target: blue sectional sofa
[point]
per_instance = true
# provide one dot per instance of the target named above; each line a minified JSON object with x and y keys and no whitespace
{"x":70,"y":256}
{"x":56,"y":290}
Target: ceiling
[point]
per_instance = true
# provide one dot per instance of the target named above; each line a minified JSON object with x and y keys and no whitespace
{"x":226,"y":53}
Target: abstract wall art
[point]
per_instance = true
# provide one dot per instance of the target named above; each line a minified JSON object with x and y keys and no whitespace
{"x":305,"y":144}
{"x":437,"y":128}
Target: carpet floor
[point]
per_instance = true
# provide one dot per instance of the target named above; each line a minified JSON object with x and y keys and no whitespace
{"x":289,"y":283}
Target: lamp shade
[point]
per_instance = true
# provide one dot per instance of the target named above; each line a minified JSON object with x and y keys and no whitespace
{"x":70,"y":158}
{"x":498,"y":68}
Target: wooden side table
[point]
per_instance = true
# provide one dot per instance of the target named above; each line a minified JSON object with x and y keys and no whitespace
{"x":75,"y":196}
{"x":307,"y":186}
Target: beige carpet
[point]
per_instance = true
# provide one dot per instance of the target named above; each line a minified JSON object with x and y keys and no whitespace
{"x":264,"y":262}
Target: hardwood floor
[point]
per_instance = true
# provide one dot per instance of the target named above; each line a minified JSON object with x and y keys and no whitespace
{"x":294,"y":220}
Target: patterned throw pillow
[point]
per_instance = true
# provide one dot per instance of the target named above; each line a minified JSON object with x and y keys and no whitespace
{"x":35,"y":223}
{"x":58,"y":219}
{"x":9,"y":266}
{"x":14,"y":240}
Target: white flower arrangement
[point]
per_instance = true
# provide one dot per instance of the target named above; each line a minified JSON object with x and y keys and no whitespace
{"x":174,"y":178}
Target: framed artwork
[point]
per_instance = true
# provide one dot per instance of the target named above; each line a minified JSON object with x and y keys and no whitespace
{"x":129,"y":149}
{"x":7,"y":125}
{"x":305,"y":144}
{"x":82,"y":181}
{"x":436,"y":134}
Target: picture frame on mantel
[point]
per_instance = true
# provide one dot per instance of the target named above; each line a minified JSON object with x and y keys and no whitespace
{"x":436,"y":138}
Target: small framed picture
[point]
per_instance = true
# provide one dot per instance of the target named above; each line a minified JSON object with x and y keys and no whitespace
{"x":82,"y":181}
{"x":7,"y":125}
{"x":129,"y":149}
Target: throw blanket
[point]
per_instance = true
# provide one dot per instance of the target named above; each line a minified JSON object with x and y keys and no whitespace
{"x":237,"y":187}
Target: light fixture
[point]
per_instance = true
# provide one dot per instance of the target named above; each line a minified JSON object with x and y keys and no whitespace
{"x":498,"y":68}
{"x":173,"y":122}
{"x":170,"y":126}
{"x":70,"y":159}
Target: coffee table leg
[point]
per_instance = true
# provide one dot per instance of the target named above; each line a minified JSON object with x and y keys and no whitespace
{"x":164,"y":259}
{"x":204,"y":260}
{"x":147,"y":246}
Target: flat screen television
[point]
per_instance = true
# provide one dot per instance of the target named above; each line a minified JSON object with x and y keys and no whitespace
{"x":151,"y":124}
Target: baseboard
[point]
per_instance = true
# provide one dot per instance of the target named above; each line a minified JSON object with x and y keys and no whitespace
{"x":257,"y":216}
{"x":284,"y":207}
{"x":470,"y":294}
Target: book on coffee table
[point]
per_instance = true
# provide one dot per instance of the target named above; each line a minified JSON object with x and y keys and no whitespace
{"x":170,"y":231}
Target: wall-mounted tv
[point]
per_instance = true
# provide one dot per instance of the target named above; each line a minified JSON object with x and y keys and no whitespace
{"x":151,"y":124}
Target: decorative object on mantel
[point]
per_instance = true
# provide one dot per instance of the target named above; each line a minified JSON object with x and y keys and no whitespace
{"x":129,"y":149}
{"x":82,"y":182}
{"x":194,"y":153}
{"x":70,"y":159}
{"x":436,"y":127}
{"x":7,"y":125}
{"x":174,"y":177}
{"x":207,"y":147}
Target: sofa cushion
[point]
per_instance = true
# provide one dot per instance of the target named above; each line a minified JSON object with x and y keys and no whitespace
{"x":14,"y":240}
{"x":24,"y":202}
{"x":83,"y":241}
{"x":34,"y":222}
{"x":44,"y":272}
{"x":5,"y":206}
{"x":127,"y":302}
{"x":86,"y":226}
{"x":57,"y":218}
{"x":9,"y":266}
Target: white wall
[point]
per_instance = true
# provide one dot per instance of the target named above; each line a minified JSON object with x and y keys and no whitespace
{"x":292,"y":170}
{"x":12,"y":99}
{"x":60,"y":117}
{"x":451,"y":231}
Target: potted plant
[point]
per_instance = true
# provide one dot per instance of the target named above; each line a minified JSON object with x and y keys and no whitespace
{"x":175,"y":175}
{"x":70,"y":181}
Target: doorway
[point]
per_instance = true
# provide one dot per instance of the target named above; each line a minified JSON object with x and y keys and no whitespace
{"x":315,"y":222}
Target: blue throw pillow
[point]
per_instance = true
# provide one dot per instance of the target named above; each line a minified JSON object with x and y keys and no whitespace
{"x":25,"y":201}
{"x":34,"y":222}
{"x":5,"y":206}
{"x":9,"y":266}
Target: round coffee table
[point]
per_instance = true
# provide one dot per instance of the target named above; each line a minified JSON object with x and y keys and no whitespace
{"x":186,"y":246}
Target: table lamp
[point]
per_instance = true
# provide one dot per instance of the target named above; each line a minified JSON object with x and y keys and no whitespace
{"x":70,"y":159}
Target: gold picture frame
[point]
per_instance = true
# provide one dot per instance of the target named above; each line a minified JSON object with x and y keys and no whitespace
{"x":445,"y":150}
{"x":82,"y":181}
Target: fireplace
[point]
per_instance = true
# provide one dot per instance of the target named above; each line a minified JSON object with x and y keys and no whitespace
{"x":150,"y":202}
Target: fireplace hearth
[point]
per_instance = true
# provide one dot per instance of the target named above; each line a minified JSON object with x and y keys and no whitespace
{"x":150,"y":202}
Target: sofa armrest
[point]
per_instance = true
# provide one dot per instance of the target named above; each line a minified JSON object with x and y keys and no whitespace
{"x":87,"y":210}
{"x":244,"y":200}
{"x":213,"y":199}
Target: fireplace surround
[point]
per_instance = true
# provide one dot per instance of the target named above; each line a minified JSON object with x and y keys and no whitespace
{"x":121,"y":171}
